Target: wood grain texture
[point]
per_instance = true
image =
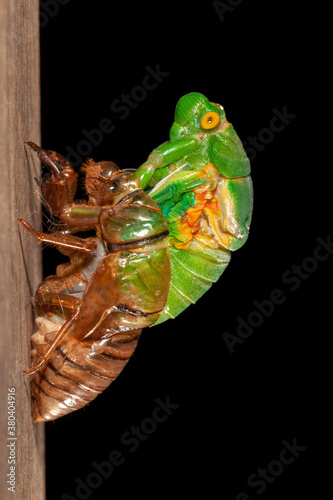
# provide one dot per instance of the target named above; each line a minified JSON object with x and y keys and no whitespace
{"x":20,"y":263}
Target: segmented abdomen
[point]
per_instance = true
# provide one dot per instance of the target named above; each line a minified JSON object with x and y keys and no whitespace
{"x":77,"y":371}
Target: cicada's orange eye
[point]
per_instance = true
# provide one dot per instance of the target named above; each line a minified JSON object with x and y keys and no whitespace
{"x":210,"y":120}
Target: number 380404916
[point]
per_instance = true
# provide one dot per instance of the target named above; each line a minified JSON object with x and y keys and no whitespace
{"x":163,"y":235}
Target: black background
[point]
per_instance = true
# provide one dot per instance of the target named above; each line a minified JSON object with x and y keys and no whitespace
{"x":235,"y":409}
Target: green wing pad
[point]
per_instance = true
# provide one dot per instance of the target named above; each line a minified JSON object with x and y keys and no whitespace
{"x":228,"y":154}
{"x":193,"y":272}
{"x":241,"y":191}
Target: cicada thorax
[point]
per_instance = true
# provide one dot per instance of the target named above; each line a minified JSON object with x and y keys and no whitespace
{"x":105,"y":298}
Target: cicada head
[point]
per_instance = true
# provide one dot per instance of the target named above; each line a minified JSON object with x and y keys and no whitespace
{"x":106,"y":183}
{"x":196,"y":114}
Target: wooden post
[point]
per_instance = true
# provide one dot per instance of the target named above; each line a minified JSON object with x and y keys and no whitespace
{"x":20,"y":257}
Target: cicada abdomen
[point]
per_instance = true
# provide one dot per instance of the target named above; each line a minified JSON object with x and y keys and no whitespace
{"x":77,"y":371}
{"x":90,"y":314}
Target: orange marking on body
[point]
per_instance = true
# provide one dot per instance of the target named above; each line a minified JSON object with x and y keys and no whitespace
{"x":204,"y":194}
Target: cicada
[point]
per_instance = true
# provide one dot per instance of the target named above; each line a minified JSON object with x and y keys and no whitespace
{"x":162,"y":235}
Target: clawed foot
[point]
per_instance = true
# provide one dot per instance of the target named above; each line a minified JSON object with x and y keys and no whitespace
{"x":59,"y":188}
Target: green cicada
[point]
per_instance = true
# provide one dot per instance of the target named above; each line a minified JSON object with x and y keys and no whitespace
{"x":201,"y":181}
{"x":163,"y":235}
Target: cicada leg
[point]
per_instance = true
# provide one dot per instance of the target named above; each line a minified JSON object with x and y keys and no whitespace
{"x":51,"y":296}
{"x":59,"y":188}
{"x":66,"y":243}
{"x":56,"y":341}
{"x":58,"y":191}
{"x":166,"y":153}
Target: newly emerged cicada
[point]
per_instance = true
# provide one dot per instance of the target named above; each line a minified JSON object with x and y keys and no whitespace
{"x":163,"y":235}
